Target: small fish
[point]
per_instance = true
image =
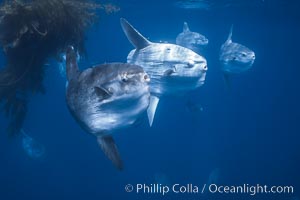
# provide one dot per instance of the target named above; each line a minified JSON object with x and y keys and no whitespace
{"x":31,"y":147}
{"x":62,"y":63}
{"x":194,"y":107}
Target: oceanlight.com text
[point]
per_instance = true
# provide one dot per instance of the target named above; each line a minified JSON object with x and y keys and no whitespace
{"x":250,"y":189}
{"x":207,"y":188}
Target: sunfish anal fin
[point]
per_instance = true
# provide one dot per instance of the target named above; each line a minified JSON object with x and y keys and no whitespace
{"x":134,"y":37}
{"x":152,"y":108}
{"x":110,"y":149}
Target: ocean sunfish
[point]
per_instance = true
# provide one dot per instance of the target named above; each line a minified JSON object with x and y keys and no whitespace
{"x":191,"y":40}
{"x":105,"y":98}
{"x":173,"y":69}
{"x":234,"y":57}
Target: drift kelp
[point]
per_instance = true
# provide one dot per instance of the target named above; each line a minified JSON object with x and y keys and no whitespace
{"x":30,"y":33}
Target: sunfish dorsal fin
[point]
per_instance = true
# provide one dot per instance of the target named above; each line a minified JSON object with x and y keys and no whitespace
{"x":229,"y":39}
{"x":186,"y":27}
{"x":152,"y":108}
{"x":71,"y":63}
{"x":134,"y":37}
{"x":110,"y":149}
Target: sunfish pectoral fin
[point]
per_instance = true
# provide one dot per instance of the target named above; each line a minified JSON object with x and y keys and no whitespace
{"x":152,"y":108}
{"x":110,"y":149}
{"x":71,"y":63}
{"x":134,"y":37}
{"x":168,"y":72}
{"x":185,"y":27}
{"x":102,"y":93}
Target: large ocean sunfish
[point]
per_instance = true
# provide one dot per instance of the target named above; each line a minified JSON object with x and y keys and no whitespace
{"x":173,"y":69}
{"x":234,"y":57}
{"x":105,"y":98}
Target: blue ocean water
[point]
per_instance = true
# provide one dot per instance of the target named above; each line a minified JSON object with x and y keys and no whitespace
{"x":246,"y":135}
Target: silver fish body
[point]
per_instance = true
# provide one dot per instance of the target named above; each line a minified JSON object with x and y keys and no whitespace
{"x":191,"y":40}
{"x":173,"y":69}
{"x":234,"y":57}
{"x":106,"y":98}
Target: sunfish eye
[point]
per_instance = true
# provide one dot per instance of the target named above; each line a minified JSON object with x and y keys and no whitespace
{"x":244,"y":54}
{"x":146,"y":77}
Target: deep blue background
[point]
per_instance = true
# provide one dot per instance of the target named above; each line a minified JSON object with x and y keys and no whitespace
{"x":250,"y":132}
